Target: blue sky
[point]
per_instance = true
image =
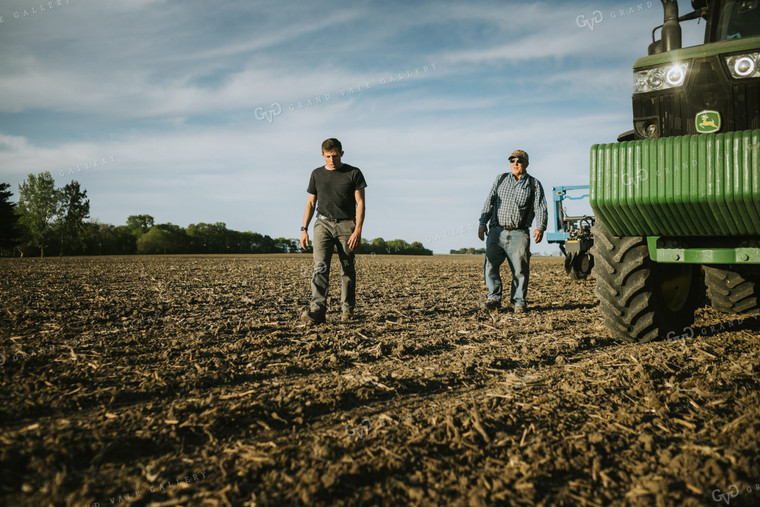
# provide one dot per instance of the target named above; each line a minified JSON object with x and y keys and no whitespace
{"x":195,"y":111}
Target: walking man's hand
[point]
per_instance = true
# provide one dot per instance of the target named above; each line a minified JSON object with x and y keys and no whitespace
{"x":482,"y":232}
{"x":354,"y":240}
{"x":304,"y":240}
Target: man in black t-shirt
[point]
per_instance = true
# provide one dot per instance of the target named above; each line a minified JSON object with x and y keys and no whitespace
{"x":336,"y":192}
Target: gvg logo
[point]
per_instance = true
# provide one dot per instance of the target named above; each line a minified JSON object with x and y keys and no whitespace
{"x":360,"y":431}
{"x":275,"y":109}
{"x":719,"y":496}
{"x":596,"y":17}
{"x":733,"y":492}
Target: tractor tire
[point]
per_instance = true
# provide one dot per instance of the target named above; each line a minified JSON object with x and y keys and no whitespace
{"x":730,"y":290}
{"x":580,"y":266}
{"x":641,"y":300}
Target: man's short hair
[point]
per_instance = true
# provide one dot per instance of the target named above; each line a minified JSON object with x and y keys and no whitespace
{"x":331,"y":144}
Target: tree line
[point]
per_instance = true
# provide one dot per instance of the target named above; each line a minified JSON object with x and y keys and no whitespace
{"x":48,"y":219}
{"x":468,"y":251}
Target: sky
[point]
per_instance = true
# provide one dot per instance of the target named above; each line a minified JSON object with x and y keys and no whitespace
{"x":193,"y":111}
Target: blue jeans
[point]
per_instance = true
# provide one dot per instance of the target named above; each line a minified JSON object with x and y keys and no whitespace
{"x":327,"y":236}
{"x":514,"y":246}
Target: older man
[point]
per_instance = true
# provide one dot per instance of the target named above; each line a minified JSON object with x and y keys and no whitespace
{"x":516,"y":199}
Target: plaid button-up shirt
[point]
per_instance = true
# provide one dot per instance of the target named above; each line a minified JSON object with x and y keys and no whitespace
{"x":514,"y":204}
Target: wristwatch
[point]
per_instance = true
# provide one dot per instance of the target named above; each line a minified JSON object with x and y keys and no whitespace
{"x":304,"y":228}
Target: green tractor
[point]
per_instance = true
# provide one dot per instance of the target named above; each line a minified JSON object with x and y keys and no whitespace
{"x":677,"y":199}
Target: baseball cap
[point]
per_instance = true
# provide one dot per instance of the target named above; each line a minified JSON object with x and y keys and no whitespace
{"x":520,"y":153}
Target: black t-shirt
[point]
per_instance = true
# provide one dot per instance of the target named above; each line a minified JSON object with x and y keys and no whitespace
{"x":335,"y":190}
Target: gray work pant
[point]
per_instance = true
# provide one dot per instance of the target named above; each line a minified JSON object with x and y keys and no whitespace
{"x":328,"y":235}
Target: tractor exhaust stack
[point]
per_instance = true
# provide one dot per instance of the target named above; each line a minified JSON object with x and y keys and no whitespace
{"x":671,"y":29}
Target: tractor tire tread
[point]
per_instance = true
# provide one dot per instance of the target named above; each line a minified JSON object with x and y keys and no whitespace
{"x":731,"y":291}
{"x":625,"y":284}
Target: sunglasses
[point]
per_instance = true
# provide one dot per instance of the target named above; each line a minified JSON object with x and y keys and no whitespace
{"x":519,"y":160}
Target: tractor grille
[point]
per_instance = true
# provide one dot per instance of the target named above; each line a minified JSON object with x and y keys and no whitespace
{"x":698,"y":185}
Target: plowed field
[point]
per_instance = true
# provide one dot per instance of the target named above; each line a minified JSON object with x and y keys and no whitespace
{"x":190,"y":381}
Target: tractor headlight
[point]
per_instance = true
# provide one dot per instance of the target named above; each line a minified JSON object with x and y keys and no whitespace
{"x":744,"y":66}
{"x":676,"y":75}
{"x":660,"y":78}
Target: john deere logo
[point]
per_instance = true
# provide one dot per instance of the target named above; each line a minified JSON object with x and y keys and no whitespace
{"x":707,"y":122}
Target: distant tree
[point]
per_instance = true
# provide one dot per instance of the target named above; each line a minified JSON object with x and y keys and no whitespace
{"x":163,"y":239}
{"x":9,"y":227}
{"x":120,"y":240}
{"x":154,"y":241}
{"x":37,"y":208}
{"x":236,"y":241}
{"x":378,"y":245}
{"x":247,"y":242}
{"x":394,"y":246}
{"x":267,"y":245}
{"x":105,"y":239}
{"x":139,"y":224}
{"x":73,"y":208}
{"x":468,"y":251}
{"x":180,"y":243}
{"x":209,"y":238}
{"x":92,"y":237}
{"x":283,"y":245}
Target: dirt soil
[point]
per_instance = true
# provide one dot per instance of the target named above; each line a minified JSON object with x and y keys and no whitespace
{"x":190,"y":381}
